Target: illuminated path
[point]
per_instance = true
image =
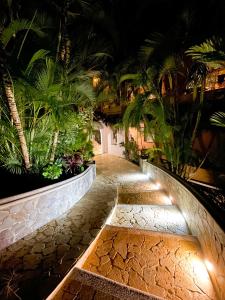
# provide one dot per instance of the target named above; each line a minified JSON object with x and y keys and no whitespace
{"x":145,"y":251}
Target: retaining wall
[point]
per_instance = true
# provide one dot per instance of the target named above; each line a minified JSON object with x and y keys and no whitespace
{"x":200,"y":222}
{"x":22,"y":214}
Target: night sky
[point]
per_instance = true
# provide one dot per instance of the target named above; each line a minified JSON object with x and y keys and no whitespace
{"x":127,"y":23}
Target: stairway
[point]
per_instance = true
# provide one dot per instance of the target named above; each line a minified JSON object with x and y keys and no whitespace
{"x":145,"y":251}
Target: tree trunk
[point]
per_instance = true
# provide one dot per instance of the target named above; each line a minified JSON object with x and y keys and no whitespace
{"x":9,"y":93}
{"x":54,"y":145}
{"x":64,"y":42}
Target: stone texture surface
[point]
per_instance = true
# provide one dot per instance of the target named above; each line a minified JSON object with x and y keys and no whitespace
{"x":85,"y":285}
{"x":167,"y":266}
{"x":200,"y":222}
{"x":147,"y":197}
{"x":57,"y":245}
{"x":79,"y":291}
{"x":46,"y":255}
{"x":165,"y":218}
{"x":25,"y":213}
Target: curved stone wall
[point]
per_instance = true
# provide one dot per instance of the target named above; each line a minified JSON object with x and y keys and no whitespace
{"x":200,"y":222}
{"x":22,"y":214}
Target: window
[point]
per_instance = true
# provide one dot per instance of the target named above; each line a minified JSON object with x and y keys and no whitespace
{"x":221,"y":78}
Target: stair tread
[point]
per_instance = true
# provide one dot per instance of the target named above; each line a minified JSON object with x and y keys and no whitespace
{"x":165,"y":265}
{"x":137,"y":186}
{"x":165,"y":218}
{"x":144,"y":197}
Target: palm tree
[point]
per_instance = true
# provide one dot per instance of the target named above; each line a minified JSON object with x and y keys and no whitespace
{"x":211,"y":52}
{"x":58,"y":94}
{"x":8,"y":32}
{"x":218,"y":119}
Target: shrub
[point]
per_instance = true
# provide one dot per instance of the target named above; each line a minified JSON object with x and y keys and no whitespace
{"x":53,"y":171}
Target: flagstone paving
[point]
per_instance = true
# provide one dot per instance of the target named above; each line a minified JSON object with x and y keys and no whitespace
{"x":155,"y":254}
{"x":145,"y":245}
{"x":48,"y":253}
{"x":168,"y":266}
{"x":165,"y":218}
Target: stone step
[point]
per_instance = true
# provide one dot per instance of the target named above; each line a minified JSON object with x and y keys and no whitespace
{"x":165,"y":218}
{"x":165,"y":265}
{"x":84,"y":285}
{"x":138,"y":186}
{"x":154,"y":197}
{"x":76,"y":289}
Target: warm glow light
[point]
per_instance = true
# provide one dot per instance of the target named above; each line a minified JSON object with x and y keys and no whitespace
{"x":171,"y":198}
{"x":95,"y":81}
{"x":172,"y":216}
{"x":133,"y":177}
{"x":184,"y":215}
{"x":167,"y":200}
{"x":200,"y":269}
{"x":109,"y":219}
{"x":166,"y":217}
{"x":209,"y":265}
{"x":158,"y":185}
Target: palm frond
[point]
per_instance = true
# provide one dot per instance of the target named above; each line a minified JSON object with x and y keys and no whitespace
{"x":133,"y":77}
{"x":218,"y":119}
{"x":85,"y":92}
{"x":209,"y":52}
{"x":150,"y":46}
{"x":14,"y":165}
{"x":169,"y":66}
{"x":40,"y":54}
{"x":18,"y":25}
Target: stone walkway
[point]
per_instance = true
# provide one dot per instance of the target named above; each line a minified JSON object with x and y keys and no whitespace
{"x":166,"y":218}
{"x":149,"y":249}
{"x":39,"y":261}
{"x":146,"y":246}
{"x":167,"y":266}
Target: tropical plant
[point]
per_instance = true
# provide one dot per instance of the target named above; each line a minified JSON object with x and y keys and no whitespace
{"x":210,"y":52}
{"x":9,"y":32}
{"x":53,"y":170}
{"x":131,"y":151}
{"x":218,"y":119}
{"x":173,"y":129}
{"x":73,"y":164}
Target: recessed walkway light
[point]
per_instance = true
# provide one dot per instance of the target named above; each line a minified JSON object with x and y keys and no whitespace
{"x":200,"y":269}
{"x":209,"y":265}
{"x":171,"y":198}
{"x":158,"y":185}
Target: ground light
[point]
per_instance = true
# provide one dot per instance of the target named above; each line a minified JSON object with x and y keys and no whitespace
{"x":158,"y":185}
{"x":200,"y":270}
{"x":171,"y":198}
{"x":209,"y":265}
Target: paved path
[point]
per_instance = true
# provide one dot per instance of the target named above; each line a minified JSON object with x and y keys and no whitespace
{"x":47,"y":254}
{"x":145,"y":245}
{"x":166,"y":218}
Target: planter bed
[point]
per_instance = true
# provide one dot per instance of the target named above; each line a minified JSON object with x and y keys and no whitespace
{"x":22,"y":214}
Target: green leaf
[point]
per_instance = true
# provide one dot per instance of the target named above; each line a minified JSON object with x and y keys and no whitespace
{"x":129,"y":77}
{"x":218,"y":119}
{"x":18,"y":25}
{"x":40,"y":54}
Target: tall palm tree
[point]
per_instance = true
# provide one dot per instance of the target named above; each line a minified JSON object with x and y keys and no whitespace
{"x":6,"y":35}
{"x":9,"y":94}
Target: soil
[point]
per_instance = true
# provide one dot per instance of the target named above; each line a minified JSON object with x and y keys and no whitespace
{"x":13,"y":184}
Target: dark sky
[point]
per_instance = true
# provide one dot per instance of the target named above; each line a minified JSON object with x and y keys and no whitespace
{"x":132,"y":21}
{"x":136,"y":19}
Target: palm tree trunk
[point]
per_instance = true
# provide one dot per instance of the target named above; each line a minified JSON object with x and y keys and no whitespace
{"x":64,"y":42}
{"x":9,"y":93}
{"x":54,"y":145}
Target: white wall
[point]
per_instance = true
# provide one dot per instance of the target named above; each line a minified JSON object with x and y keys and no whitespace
{"x":107,"y":141}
